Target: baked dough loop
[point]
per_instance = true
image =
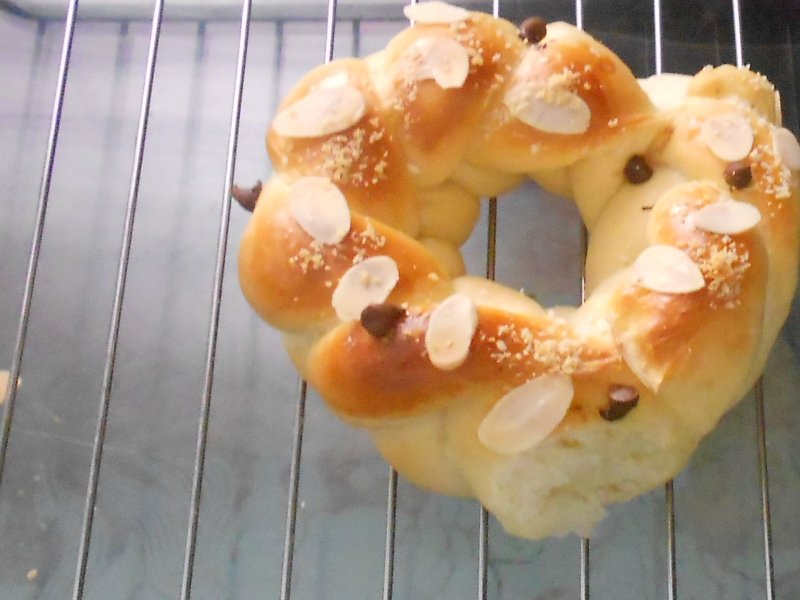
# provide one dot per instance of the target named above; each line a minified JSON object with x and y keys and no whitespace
{"x":687,"y":185}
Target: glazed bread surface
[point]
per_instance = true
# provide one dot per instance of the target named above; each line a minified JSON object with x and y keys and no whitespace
{"x":687,"y":185}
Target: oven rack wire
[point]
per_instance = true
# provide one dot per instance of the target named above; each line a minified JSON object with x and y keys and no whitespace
{"x":334,"y":19}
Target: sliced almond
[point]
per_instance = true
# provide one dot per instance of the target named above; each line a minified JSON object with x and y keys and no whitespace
{"x":728,"y":136}
{"x":728,"y":217}
{"x":450,"y":329}
{"x":786,"y":148}
{"x":320,"y":209}
{"x":667,"y":270}
{"x":434,"y":12}
{"x":527,"y":414}
{"x":368,"y":282}
{"x":533,"y":66}
{"x":441,"y":59}
{"x":548,"y":109}
{"x":323,"y":111}
{"x":640,"y":365}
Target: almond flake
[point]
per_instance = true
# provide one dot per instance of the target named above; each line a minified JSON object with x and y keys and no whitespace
{"x":728,"y":136}
{"x":527,"y":414}
{"x":548,"y":109}
{"x":786,"y":148}
{"x":727,"y":217}
{"x":450,"y":329}
{"x":640,"y":365}
{"x":320,"y":209}
{"x":666,"y":269}
{"x":323,"y":111}
{"x":368,"y":282}
{"x":434,"y":12}
{"x":441,"y":59}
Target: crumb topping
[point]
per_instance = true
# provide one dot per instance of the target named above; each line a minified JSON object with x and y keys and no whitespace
{"x":723,"y":263}
{"x":467,"y":38}
{"x":566,"y":79}
{"x":771,"y":176}
{"x":722,"y":260}
{"x":365,"y":240}
{"x":310,"y":258}
{"x":355,"y":248}
{"x":347,"y":159}
{"x":556,"y":348}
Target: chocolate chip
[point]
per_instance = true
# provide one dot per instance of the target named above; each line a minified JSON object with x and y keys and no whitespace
{"x":738,"y":175}
{"x":622,"y":400}
{"x":637,"y":170}
{"x":533,"y":30}
{"x":246,"y":198}
{"x":380,"y":319}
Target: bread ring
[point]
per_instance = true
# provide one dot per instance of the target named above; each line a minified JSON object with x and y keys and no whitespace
{"x":687,"y":185}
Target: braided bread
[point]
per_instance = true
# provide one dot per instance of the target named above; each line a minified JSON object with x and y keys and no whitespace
{"x":687,"y":186}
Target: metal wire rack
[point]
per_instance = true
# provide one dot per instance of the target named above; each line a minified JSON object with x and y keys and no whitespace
{"x":83,"y":483}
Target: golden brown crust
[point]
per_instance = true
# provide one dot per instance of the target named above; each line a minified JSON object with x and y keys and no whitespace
{"x":599,"y":77}
{"x":289,"y":278}
{"x":364,"y":161}
{"x":434,"y":124}
{"x":349,"y":365}
{"x":727,"y":81}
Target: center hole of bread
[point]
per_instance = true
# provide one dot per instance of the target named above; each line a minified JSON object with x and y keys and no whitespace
{"x":538,"y":248}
